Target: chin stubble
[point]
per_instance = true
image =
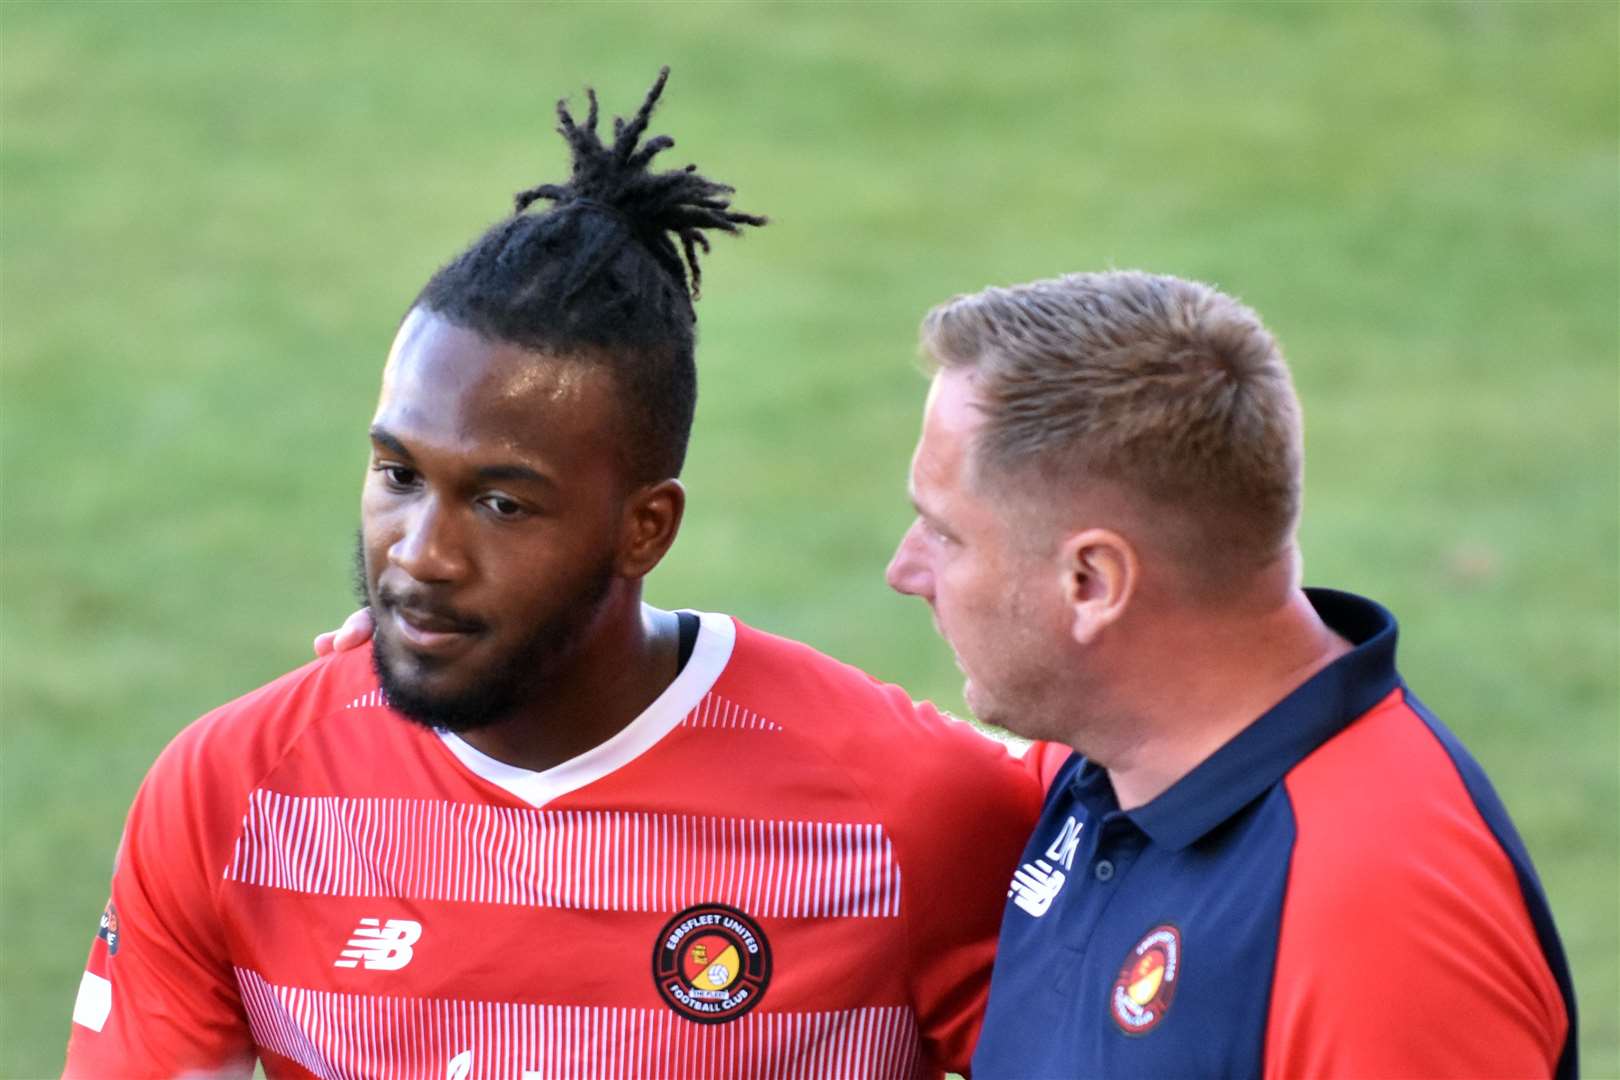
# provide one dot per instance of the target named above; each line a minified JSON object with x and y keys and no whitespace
{"x":514,"y":681}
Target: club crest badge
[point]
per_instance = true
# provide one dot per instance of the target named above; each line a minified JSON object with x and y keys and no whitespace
{"x":108,"y":931}
{"x":1146,"y":983}
{"x":711,"y":963}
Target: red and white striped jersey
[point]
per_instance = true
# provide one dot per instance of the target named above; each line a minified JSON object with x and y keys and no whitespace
{"x":781,"y":868}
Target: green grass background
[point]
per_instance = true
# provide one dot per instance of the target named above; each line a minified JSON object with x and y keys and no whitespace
{"x":212,"y":216}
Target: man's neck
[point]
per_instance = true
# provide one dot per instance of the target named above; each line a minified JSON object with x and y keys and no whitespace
{"x":1215,"y":678}
{"x":629,"y":660}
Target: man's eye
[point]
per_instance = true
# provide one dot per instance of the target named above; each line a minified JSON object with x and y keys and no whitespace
{"x":398,"y":476}
{"x":503,"y":507}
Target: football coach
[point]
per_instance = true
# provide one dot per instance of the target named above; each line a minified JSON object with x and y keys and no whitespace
{"x":1266,"y":856}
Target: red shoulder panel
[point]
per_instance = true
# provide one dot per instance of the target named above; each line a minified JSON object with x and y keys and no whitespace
{"x":1406,"y":948}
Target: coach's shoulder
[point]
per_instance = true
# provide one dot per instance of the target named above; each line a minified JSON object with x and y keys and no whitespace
{"x":1419,"y":815}
{"x":1397,"y":866}
{"x":1393,"y":853}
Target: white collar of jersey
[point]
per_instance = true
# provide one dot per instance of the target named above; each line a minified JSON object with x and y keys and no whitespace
{"x":716,"y":636}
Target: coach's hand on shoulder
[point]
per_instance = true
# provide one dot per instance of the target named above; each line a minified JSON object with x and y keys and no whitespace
{"x":355,"y":632}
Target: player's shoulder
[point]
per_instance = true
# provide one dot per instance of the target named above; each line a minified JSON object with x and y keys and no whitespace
{"x":957,"y":802}
{"x":798,"y":679}
{"x":867,"y":724}
{"x":248,"y":734}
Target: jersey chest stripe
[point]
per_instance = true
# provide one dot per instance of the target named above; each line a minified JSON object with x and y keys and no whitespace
{"x":346,"y":1035}
{"x":821,"y":879}
{"x":595,"y":860}
{"x":637,"y":870}
{"x":838,"y":849}
{"x":587,"y":857}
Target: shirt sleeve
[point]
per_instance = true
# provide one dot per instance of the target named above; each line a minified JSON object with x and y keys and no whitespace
{"x":968,"y":821}
{"x":1406,"y":947}
{"x":158,"y":996}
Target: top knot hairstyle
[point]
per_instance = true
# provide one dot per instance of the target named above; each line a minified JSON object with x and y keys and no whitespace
{"x":598,"y":277}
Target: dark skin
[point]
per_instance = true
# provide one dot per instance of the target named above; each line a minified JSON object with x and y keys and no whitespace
{"x":496,"y":491}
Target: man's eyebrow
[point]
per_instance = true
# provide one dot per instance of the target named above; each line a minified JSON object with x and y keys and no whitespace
{"x":519,"y":473}
{"x":510,"y":472}
{"x":382,"y":438}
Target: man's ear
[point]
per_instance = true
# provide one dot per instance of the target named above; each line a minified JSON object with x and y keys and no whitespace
{"x":1100,"y":573}
{"x":652,"y":517}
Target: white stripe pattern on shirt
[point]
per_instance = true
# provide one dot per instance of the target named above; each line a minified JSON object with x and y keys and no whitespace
{"x":371,"y":699}
{"x":715,"y":711}
{"x":596,"y":860}
{"x":352,"y":1035}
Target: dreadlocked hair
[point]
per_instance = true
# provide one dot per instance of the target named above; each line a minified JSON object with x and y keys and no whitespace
{"x":607,"y":274}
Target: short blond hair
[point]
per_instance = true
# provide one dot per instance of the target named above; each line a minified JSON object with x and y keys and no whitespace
{"x":1167,"y":388}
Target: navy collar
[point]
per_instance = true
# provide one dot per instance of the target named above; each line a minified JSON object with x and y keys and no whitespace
{"x":1262,"y":753}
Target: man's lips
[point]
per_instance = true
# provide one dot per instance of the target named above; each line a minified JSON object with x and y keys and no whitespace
{"x":424,"y":630}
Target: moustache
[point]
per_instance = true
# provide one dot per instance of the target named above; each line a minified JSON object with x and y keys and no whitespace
{"x":425,"y":612}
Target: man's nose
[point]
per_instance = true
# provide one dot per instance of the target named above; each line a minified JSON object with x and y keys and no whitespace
{"x":908,"y":571}
{"x":430,"y":549}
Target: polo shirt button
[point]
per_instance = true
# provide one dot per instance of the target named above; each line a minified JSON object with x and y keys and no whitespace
{"x":1104,"y":870}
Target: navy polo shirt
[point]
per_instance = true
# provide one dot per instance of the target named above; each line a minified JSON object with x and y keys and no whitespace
{"x":1337,"y":890}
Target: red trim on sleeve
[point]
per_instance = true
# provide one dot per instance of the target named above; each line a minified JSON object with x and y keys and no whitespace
{"x":1405,"y":948}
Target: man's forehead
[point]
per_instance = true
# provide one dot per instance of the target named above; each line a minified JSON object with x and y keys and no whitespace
{"x":432,"y":356}
{"x":446,"y":382}
{"x":951,"y":420}
{"x":954,"y":405}
{"x":940,"y":463}
{"x":417,"y":322}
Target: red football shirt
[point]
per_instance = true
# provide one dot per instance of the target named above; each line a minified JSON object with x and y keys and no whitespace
{"x":781,"y":868}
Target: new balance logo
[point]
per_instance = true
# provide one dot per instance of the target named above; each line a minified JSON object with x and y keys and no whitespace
{"x":1035,"y":885}
{"x":381,"y":947}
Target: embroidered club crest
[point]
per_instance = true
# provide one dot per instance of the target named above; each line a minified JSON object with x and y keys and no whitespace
{"x":1146,"y":983}
{"x":711,"y":963}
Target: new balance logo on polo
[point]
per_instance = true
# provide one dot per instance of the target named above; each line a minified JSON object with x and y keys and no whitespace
{"x":380,"y":946}
{"x":1035,"y":885}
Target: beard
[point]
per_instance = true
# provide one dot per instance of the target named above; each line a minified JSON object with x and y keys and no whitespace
{"x":513,"y":681}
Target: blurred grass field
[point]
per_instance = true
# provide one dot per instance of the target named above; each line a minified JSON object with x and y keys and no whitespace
{"x":212,"y":216}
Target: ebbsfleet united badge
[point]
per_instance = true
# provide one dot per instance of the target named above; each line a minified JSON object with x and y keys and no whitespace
{"x":1146,"y":983}
{"x":108,"y":931}
{"x":711,"y":963}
